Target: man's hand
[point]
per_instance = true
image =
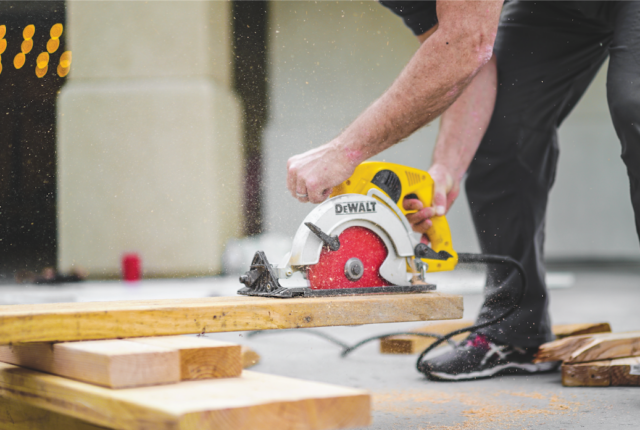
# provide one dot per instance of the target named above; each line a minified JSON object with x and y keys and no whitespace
{"x":446,"y":190}
{"x":312,"y":175}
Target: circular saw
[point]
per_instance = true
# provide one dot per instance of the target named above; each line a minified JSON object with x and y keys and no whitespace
{"x":360,"y":242}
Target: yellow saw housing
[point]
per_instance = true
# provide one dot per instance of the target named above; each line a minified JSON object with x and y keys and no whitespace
{"x":398,"y":182}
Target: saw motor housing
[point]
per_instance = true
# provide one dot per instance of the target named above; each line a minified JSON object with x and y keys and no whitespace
{"x":366,"y":212}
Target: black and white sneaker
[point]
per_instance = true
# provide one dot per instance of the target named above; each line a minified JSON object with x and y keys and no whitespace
{"x":479,"y":358}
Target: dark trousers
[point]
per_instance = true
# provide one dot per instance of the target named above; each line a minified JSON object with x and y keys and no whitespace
{"x":548,"y":52}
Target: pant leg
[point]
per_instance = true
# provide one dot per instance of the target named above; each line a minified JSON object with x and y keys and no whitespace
{"x":548,"y":53}
{"x":623,"y":92}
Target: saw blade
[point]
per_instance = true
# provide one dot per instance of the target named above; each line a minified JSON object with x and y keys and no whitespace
{"x":356,"y":264}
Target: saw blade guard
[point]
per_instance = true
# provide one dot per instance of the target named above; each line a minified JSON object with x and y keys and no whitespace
{"x":397,"y":182}
{"x":354,"y":210}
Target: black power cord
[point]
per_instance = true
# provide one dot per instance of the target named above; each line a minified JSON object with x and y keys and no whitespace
{"x":483,"y":259}
{"x":462,"y":258}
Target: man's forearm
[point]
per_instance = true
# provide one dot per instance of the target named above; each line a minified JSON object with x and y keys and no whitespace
{"x":436,"y":75}
{"x":463,"y":125}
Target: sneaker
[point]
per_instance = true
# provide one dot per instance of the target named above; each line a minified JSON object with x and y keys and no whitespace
{"x":479,"y":358}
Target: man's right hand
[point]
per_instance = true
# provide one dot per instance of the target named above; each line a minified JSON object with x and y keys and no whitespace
{"x":446,"y":190}
{"x":312,"y":175}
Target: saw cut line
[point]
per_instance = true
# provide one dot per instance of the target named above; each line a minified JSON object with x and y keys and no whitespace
{"x":358,"y":242}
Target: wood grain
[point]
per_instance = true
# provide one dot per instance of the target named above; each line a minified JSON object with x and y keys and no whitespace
{"x":200,"y":357}
{"x":591,"y":347}
{"x":565,"y":330}
{"x":109,"y":363}
{"x":407,"y":344}
{"x":16,"y":415}
{"x":253,"y":401}
{"x":617,"y":372}
{"x":124,"y":319}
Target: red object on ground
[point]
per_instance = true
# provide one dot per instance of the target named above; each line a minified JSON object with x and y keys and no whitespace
{"x":131,"y":267}
{"x":357,"y":242}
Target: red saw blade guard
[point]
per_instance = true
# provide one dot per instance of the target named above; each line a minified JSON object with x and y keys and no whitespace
{"x":358,"y":242}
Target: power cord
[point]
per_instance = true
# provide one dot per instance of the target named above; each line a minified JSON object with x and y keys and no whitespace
{"x":462,"y":258}
{"x":483,"y":259}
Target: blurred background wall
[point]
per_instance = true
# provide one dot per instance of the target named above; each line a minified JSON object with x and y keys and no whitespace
{"x":330,"y":60}
{"x":171,"y":133}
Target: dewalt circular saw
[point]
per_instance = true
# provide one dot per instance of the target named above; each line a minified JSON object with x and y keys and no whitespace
{"x":360,"y":242}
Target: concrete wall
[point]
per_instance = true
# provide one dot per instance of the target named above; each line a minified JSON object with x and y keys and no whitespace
{"x":149,"y":138}
{"x":329,"y":60}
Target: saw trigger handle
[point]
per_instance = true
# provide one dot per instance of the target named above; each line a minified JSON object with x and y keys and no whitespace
{"x":424,"y":252}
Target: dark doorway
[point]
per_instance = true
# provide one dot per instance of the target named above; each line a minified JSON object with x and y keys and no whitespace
{"x":28,"y":139}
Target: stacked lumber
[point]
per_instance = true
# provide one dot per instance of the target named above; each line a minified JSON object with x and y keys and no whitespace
{"x":408,"y":344}
{"x":602,"y":359}
{"x":121,"y":365}
{"x":181,"y":382}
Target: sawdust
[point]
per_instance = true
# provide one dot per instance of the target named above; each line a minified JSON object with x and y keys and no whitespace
{"x":484,"y":410}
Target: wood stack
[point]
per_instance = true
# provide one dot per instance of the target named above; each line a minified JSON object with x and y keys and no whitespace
{"x":120,"y":365}
{"x":596,"y":360}
{"x":177,"y":382}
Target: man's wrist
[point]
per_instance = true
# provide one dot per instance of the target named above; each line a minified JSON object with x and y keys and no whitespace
{"x":352,"y":153}
{"x":443,"y":172}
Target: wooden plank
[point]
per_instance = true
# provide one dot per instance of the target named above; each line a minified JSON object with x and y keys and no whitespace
{"x":253,"y":401}
{"x":108,"y":320}
{"x":249,"y":357}
{"x":591,"y":347}
{"x":200,"y":357}
{"x":565,"y":330}
{"x":617,"y":372}
{"x":407,"y":344}
{"x":110,"y":363}
{"x":15,"y":415}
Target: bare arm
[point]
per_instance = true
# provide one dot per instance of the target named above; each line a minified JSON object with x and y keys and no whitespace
{"x":462,"y":127}
{"x":436,"y":75}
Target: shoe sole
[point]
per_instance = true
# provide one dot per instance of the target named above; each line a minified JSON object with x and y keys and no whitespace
{"x":507,"y":368}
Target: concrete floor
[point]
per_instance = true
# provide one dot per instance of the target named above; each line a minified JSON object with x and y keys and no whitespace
{"x":402,"y":398}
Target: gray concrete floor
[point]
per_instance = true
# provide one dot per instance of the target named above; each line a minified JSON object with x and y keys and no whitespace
{"x":402,"y":398}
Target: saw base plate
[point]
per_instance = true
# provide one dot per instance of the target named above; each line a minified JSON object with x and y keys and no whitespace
{"x":309,"y":292}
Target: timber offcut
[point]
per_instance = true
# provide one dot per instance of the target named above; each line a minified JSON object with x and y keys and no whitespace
{"x":124,"y":319}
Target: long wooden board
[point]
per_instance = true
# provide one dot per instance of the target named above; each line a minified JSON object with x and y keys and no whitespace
{"x":591,"y":347}
{"x":16,"y":415}
{"x":618,"y":372}
{"x":253,"y":401}
{"x":110,"y":363}
{"x":408,"y":344}
{"x":109,"y":320}
{"x":200,"y":357}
